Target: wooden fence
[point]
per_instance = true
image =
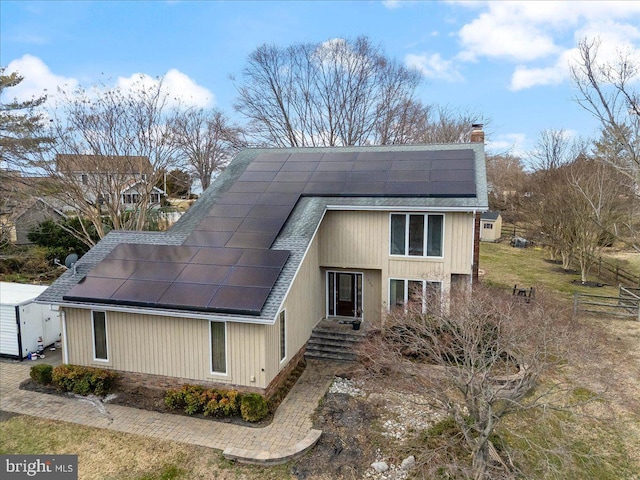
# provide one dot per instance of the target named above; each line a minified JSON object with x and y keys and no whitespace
{"x":625,"y":305}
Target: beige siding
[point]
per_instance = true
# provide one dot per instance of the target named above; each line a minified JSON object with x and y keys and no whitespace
{"x":175,"y":347}
{"x":459,"y":241}
{"x":304,"y":307}
{"x":354,"y":239}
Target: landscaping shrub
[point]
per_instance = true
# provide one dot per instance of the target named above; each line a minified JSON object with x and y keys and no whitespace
{"x":41,"y":373}
{"x":84,"y":380}
{"x":195,"y":399}
{"x":253,"y":407}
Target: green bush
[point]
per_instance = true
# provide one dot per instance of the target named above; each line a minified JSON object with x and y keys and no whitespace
{"x":253,"y":407}
{"x":193,"y":399}
{"x":41,"y":373}
{"x":84,"y":380}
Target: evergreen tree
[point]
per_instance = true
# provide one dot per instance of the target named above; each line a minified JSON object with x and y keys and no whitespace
{"x":21,"y":124}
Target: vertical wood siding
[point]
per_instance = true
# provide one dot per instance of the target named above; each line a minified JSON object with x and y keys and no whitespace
{"x":304,"y":307}
{"x":174,"y":347}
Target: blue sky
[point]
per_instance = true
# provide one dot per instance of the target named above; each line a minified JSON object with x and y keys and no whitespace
{"x":507,"y":61}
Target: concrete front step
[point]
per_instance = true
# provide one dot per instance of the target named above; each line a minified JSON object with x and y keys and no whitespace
{"x":332,"y":342}
{"x":330,"y":355}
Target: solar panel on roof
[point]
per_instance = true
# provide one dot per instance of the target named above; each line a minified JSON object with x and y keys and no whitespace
{"x":131,"y":251}
{"x":160,"y":271}
{"x":220,"y":224}
{"x":232,"y":299}
{"x":217,"y":256}
{"x":179,"y":295}
{"x":294,"y":166}
{"x":262,"y":225}
{"x":209,"y":238}
{"x":203,"y":274}
{"x":249,"y":187}
{"x":173,"y":253}
{"x":252,"y":276}
{"x":251,"y":240}
{"x":140,"y":292}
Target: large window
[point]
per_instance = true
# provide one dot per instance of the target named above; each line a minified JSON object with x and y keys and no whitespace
{"x":283,"y":336}
{"x":403,"y":291}
{"x":218,"y":347}
{"x":99,"y":328}
{"x":417,"y":235}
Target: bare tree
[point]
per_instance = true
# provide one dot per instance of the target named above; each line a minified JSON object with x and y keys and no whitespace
{"x":607,"y":90}
{"x":598,"y":201}
{"x":481,"y":359}
{"x":206,"y":141}
{"x":508,"y":184}
{"x":108,"y":141}
{"x":334,"y":93}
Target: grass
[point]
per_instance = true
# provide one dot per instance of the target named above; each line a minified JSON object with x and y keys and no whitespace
{"x":108,"y":455}
{"x":506,"y":266}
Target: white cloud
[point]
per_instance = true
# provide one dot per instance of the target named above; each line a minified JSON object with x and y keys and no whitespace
{"x":391,"y":4}
{"x":546,"y":33}
{"x":434,"y":66}
{"x":38,"y":79}
{"x":180,"y":88}
{"x":524,"y":77}
{"x":512,"y":143}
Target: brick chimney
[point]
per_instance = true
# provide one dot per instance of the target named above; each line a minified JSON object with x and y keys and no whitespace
{"x":477,"y":134}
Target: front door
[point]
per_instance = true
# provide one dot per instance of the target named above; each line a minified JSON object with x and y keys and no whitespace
{"x":345,"y":294}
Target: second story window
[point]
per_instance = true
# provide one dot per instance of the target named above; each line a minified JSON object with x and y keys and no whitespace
{"x":85,"y":179}
{"x":417,"y":235}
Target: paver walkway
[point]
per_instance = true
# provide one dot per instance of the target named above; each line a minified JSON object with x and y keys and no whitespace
{"x":289,"y":434}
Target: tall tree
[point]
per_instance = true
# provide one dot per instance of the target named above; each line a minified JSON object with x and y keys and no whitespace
{"x":206,"y":141}
{"x":22,"y":135}
{"x":22,"y":129}
{"x":608,"y":91}
{"x":109,"y":140}
{"x":335,"y":93}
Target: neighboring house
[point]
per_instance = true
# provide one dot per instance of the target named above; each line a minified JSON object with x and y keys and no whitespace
{"x":29,"y":217}
{"x":490,"y":226}
{"x":281,"y":240}
{"x":132,"y":194}
{"x":102,"y":178}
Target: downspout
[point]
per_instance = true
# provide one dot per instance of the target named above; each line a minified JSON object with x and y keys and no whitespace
{"x":65,"y":350}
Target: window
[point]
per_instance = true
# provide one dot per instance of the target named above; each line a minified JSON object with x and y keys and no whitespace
{"x":409,"y":232}
{"x":283,"y":336}
{"x":99,"y":328}
{"x":218,"y":347}
{"x":85,"y":179}
{"x":488,"y":226}
{"x":403,"y":291}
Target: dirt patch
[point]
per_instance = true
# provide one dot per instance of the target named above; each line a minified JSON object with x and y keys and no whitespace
{"x":344,"y":450}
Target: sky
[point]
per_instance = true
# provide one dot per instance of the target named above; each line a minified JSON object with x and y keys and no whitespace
{"x":505,"y":61}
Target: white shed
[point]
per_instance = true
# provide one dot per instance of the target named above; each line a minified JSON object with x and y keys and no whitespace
{"x":22,"y":321}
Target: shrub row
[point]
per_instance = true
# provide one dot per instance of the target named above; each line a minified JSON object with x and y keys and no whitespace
{"x":83,"y":380}
{"x":194,"y":399}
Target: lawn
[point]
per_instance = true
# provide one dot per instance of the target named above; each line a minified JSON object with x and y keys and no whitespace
{"x":505,"y":266}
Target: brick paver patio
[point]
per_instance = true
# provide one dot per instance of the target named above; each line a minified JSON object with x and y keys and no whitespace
{"x":290,"y":433}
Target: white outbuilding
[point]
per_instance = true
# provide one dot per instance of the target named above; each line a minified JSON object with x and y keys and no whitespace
{"x":24,"y":325}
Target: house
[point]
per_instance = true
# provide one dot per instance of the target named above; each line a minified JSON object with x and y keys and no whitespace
{"x":281,"y":240}
{"x":490,"y":226}
{"x":111,"y":178}
{"x":29,"y":216}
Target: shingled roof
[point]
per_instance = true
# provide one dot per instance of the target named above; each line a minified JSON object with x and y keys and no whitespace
{"x":250,"y":230}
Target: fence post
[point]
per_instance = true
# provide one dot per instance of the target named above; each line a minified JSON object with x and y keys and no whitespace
{"x":575,"y":303}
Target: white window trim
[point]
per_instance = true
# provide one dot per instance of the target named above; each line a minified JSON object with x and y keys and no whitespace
{"x":226,"y":351}
{"x":406,"y":290}
{"x":282,"y":315}
{"x":406,"y":234}
{"x":93,"y":336}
